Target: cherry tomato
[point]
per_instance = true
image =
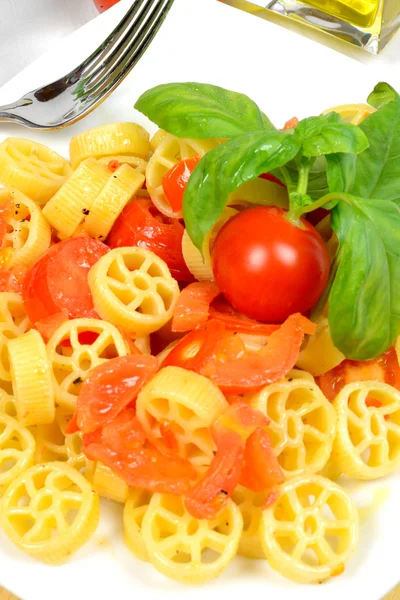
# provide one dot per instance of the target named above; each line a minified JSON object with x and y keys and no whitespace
{"x":141,"y":224}
{"x":12,"y":279}
{"x":175,"y":181}
{"x":103,"y":5}
{"x":193,"y":305}
{"x":58,"y":280}
{"x":267,"y":267}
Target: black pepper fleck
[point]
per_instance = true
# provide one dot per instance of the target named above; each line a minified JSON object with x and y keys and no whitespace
{"x":85,"y":211}
{"x":77,"y":380}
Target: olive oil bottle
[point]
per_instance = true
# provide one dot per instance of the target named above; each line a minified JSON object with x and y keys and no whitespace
{"x":358,"y":12}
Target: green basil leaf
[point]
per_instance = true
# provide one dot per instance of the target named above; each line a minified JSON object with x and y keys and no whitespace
{"x":221,"y":171}
{"x":327,"y":134}
{"x":198,"y":110}
{"x":341,"y":173}
{"x":317,"y":180}
{"x":382,"y":94}
{"x":364,"y":302}
{"x":377,"y":169}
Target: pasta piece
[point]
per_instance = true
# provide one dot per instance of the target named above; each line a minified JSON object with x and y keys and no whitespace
{"x":253,"y":341}
{"x":31,"y":379}
{"x":299,"y":374}
{"x":302,"y":427}
{"x":168,"y":153}
{"x":251,"y":506}
{"x":28,"y":233}
{"x":257,"y":191}
{"x":71,"y":360}
{"x":50,"y":511}
{"x":7,"y":404}
{"x":164,"y":353}
{"x":139,"y":164}
{"x":185,"y":404}
{"x":143,"y":343}
{"x":201,"y":266}
{"x":13,"y":322}
{"x":367,"y":443}
{"x":178,"y":545}
{"x":115,"y":195}
{"x":108,"y":140}
{"x":32,"y":168}
{"x":134,"y":511}
{"x":133,"y":289}
{"x":17,"y":447}
{"x":352,"y":113}
{"x":157,"y":138}
{"x":320,"y":355}
{"x":109,"y":485}
{"x":311,"y":531}
{"x":69,"y":206}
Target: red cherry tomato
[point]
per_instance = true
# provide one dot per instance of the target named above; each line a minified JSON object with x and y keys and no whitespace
{"x":57,"y":282}
{"x":268,"y":268}
{"x":11,"y":279}
{"x":103,"y":5}
{"x":175,"y":181}
{"x":140,"y":224}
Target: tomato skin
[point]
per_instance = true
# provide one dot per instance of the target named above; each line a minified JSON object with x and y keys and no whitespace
{"x":12,"y":279}
{"x":261,"y":469}
{"x":267,"y":267}
{"x":141,"y":224}
{"x":193,"y":305}
{"x":175,"y":181}
{"x":58,"y":280}
{"x":103,"y":5}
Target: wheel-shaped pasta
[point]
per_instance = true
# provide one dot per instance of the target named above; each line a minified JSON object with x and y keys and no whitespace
{"x":32,"y":168}
{"x":167,"y":154}
{"x":108,"y":140}
{"x":7,"y":404}
{"x":251,"y":506}
{"x":31,"y":379}
{"x":115,"y":195}
{"x":17,"y":448}
{"x":71,"y":360}
{"x":134,"y":511}
{"x":139,"y":164}
{"x":320,"y":355}
{"x":28,"y":233}
{"x":157,"y":138}
{"x":185,"y":404}
{"x":352,"y":113}
{"x":68,"y":208}
{"x":108,"y":485}
{"x":311,"y":531}
{"x":50,"y":511}
{"x":302,"y":424}
{"x":133,"y":289}
{"x":178,"y":545}
{"x":367,"y":442}
{"x":13,"y":322}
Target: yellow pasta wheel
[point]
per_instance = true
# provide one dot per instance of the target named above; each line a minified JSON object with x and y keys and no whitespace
{"x":251,"y":506}
{"x":139,"y":164}
{"x":143,"y":343}
{"x":13,"y":323}
{"x":302,"y":424}
{"x":167,"y":154}
{"x":186,"y":402}
{"x":28,"y":233}
{"x":17,"y":447}
{"x":257,"y":191}
{"x":69,"y":206}
{"x":367,"y":442}
{"x":31,"y":379}
{"x":50,"y":511}
{"x":108,"y":140}
{"x":133,"y":289}
{"x":178,"y":545}
{"x":109,"y":485}
{"x":115,"y":195}
{"x":70,"y":366}
{"x":352,"y":113}
{"x":157,"y":138}
{"x":134,"y":511}
{"x":201,"y":267}
{"x":311,"y":531}
{"x":320,"y":355}
{"x":32,"y":168}
{"x":7,"y":404}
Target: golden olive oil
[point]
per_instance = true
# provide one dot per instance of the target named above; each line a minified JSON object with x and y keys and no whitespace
{"x":358,"y":12}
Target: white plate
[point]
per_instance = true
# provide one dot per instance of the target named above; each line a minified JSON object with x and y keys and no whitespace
{"x":203,"y":40}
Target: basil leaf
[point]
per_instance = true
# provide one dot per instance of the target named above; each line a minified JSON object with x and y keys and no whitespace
{"x":198,"y":110}
{"x":317,"y":180}
{"x":382,"y":94}
{"x":221,"y":171}
{"x":341,"y":173}
{"x":364,"y":302}
{"x":327,"y":134}
{"x":377,"y":169}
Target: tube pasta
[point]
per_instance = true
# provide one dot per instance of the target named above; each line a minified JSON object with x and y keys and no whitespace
{"x":157,"y":138}
{"x":352,"y":113}
{"x":251,"y":506}
{"x":109,"y":140}
{"x":109,"y":485}
{"x":302,"y":424}
{"x":320,"y":355}
{"x":367,"y":443}
{"x":50,"y":511}
{"x":32,"y":168}
{"x":31,"y":380}
{"x":311,"y":531}
{"x":188,"y":404}
{"x":259,"y":191}
{"x":177,"y":543}
{"x":134,"y":511}
{"x":133,"y":289}
{"x":7,"y":404}
{"x":139,"y":164}
{"x":70,"y":366}
{"x":13,"y":323}
{"x":17,"y":447}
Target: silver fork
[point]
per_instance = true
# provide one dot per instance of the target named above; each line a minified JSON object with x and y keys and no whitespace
{"x":73,"y":96}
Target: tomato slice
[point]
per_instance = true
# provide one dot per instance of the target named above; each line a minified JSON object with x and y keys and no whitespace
{"x":141,"y":224}
{"x":110,"y":387}
{"x":12,"y":279}
{"x":193,"y":305}
{"x":124,"y":432}
{"x":175,"y":181}
{"x":58,"y":280}
{"x":46,"y":327}
{"x":261,"y":469}
{"x":291,"y":124}
{"x":233,"y":320}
